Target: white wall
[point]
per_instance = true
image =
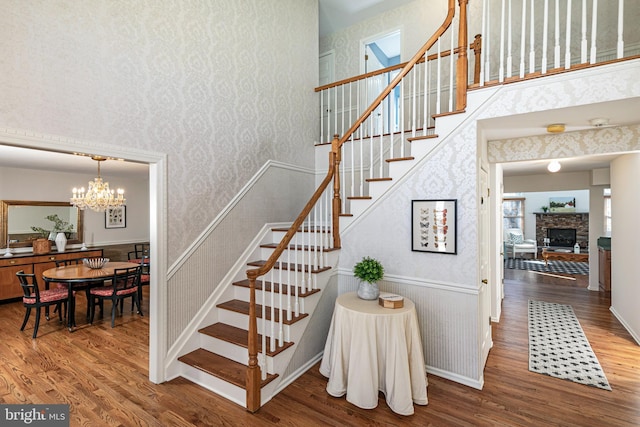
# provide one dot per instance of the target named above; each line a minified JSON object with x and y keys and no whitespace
{"x":26,"y":184}
{"x":625,"y":235}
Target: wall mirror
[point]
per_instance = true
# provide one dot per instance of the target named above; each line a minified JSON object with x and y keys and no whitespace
{"x":18,"y":216}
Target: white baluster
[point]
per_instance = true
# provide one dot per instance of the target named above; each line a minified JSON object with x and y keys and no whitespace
{"x":335,"y":114}
{"x":438,"y":85}
{"x":288,"y":282}
{"x":264,"y":330}
{"x":322,"y":116}
{"x":509,"y":43}
{"x":280,"y":305}
{"x":523,"y":38}
{"x":594,"y":31}
{"x":342,"y":114}
{"x":296,"y":280}
{"x":545,"y":28}
{"x":583,"y":32}
{"x":381,"y":139}
{"x":484,"y":67}
{"x":556,"y":45}
{"x":451,"y":67}
{"x":401,"y":117}
{"x":532,"y":40}
{"x":273,"y":312}
{"x":501,"y":69}
{"x":567,"y":53}
{"x":620,"y":49}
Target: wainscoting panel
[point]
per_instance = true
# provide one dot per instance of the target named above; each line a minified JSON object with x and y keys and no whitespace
{"x":448,"y":318}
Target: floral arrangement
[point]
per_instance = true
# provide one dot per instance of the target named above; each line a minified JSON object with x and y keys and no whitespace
{"x":59,"y":226}
{"x":369,"y":270}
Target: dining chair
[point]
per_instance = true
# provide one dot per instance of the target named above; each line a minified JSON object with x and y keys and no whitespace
{"x":35,"y":298}
{"x":125,"y":283}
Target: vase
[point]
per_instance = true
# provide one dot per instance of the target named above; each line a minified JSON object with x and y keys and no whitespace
{"x":368,"y":291}
{"x":61,"y":242}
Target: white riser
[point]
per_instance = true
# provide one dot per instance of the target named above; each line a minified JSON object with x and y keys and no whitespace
{"x":378,"y":188}
{"x":422,"y":147}
{"x":215,"y":384}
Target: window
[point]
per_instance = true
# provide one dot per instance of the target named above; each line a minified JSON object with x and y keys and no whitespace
{"x":607,"y":211}
{"x":513,"y":213}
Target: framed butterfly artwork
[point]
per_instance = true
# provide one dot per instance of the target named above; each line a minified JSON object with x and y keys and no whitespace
{"x":433,"y":226}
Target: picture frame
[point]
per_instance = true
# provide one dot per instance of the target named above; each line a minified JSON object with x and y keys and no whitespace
{"x":115,"y":217}
{"x":434,"y":226}
{"x":562,"y":204}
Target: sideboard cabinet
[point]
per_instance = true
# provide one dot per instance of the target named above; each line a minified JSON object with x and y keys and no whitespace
{"x":9,"y":266}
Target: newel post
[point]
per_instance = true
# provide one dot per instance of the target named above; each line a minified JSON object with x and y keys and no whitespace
{"x":334,"y":162}
{"x":477,"y":51}
{"x":254,"y":376}
{"x":462,"y":63}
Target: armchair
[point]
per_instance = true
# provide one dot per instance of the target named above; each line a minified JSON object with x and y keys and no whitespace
{"x":516,"y":243}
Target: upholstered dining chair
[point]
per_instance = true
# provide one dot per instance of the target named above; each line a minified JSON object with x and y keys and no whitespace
{"x":516,"y":243}
{"x":125,"y":283}
{"x":35,"y":298}
{"x":78,"y":286}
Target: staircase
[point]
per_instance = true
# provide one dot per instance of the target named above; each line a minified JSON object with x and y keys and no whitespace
{"x":285,"y":302}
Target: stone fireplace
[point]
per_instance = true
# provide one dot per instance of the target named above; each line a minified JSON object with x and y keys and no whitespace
{"x":579,"y":222}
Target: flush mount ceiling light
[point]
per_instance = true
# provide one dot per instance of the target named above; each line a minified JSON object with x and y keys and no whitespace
{"x":554,"y":166}
{"x":555,"y":128}
{"x":599,"y":122}
{"x":99,"y":197}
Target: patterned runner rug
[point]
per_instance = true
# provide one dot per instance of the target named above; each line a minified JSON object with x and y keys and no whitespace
{"x":566,"y":267}
{"x":559,"y":348}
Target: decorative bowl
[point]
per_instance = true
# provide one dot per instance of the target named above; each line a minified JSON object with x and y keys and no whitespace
{"x":95,"y":263}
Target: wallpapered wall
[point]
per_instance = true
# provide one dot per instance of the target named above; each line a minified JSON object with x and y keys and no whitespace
{"x":218,"y":86}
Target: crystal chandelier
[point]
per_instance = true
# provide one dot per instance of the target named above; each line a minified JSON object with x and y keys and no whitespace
{"x":99,"y":197}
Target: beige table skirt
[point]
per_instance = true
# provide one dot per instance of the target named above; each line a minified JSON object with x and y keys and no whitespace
{"x":371,"y":349}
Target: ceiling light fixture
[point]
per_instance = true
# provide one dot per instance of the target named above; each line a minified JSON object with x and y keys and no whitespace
{"x":555,"y":128}
{"x":554,"y":166}
{"x":99,"y":197}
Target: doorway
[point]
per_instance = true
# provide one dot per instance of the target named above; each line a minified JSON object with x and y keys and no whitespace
{"x":157,"y":228}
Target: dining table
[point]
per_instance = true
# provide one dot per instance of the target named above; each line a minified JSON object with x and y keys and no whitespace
{"x":80,"y":276}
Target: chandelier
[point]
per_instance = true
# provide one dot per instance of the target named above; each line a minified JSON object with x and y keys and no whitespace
{"x":99,"y":197}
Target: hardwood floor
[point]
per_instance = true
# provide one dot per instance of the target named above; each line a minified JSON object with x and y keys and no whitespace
{"x":102,"y":374}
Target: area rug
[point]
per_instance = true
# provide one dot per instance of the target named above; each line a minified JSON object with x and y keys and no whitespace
{"x":566,"y":267}
{"x":559,"y":348}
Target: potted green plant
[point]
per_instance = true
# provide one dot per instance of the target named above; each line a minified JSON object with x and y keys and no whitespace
{"x":58,"y":232}
{"x":369,"y":271}
{"x":544,"y":208}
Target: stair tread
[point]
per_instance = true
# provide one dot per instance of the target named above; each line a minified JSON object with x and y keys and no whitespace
{"x":242,"y":307}
{"x":306,"y":229}
{"x":400,"y":159}
{"x":359,"y":197}
{"x":221,"y":367}
{"x":240,"y":337}
{"x":299,"y":247}
{"x":448,"y":113}
{"x":288,"y":266}
{"x":418,"y":138}
{"x":302,"y":292}
{"x":378,"y":179}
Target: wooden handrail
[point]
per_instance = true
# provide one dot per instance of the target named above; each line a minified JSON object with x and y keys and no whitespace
{"x":253,"y":377}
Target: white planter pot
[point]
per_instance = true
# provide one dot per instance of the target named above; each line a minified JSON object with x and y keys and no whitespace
{"x":368,"y":291}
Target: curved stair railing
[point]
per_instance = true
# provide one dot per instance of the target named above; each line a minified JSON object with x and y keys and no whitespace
{"x":319,"y":220}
